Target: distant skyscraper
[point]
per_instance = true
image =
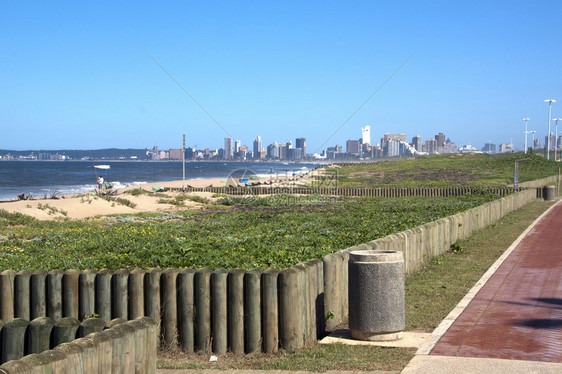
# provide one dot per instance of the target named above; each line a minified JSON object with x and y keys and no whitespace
{"x":392,"y":148}
{"x":228,"y":150}
{"x":273,"y":151}
{"x":387,"y":137}
{"x":257,"y":148}
{"x":352,"y":147}
{"x":301,"y":143}
{"x":417,"y":143}
{"x":431,"y":146}
{"x":294,"y":153}
{"x":236,"y":147}
{"x":489,"y":148}
{"x":440,"y":139}
{"x":366,"y":134}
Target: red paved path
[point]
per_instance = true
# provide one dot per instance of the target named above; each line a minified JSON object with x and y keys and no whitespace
{"x":518,"y":312}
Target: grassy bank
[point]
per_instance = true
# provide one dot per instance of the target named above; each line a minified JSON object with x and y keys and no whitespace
{"x":265,"y":234}
{"x":431,"y":293}
{"x":446,"y":170}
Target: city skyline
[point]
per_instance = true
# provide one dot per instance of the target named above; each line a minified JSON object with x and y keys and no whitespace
{"x":99,"y":75}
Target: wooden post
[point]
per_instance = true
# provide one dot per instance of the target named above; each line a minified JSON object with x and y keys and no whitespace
{"x":169,"y":308}
{"x":38,"y":284}
{"x":270,"y":316}
{"x":103,"y":294}
{"x":236,"y":310}
{"x":219,"y":310}
{"x":252,"y":312}
{"x":186,"y":303}
{"x":202,"y":310}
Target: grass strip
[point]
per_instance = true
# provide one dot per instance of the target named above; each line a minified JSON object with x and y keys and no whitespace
{"x":431,"y":294}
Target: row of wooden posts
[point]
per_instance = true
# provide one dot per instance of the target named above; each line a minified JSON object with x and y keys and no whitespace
{"x":21,"y":337}
{"x":242,"y":311}
{"x":354,"y":192}
{"x":68,"y":346}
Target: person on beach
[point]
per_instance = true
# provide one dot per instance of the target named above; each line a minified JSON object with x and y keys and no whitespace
{"x":100,"y":183}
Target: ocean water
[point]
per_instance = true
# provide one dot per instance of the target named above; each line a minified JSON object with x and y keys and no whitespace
{"x":43,"y":178}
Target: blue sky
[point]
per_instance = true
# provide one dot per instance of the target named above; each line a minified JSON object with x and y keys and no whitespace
{"x":80,"y":76}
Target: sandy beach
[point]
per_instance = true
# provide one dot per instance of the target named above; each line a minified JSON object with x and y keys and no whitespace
{"x":89,"y":205}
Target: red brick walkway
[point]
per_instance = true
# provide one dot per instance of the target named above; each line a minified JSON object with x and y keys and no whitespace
{"x":518,"y":312}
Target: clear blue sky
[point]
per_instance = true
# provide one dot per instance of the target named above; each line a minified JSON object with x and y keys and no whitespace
{"x":78,"y":74}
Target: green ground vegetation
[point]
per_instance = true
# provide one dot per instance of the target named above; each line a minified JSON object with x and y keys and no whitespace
{"x":252,"y":234}
{"x":431,"y":294}
{"x":479,"y":170}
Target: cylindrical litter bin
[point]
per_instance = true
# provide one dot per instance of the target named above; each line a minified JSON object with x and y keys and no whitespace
{"x":548,"y":193}
{"x":376,"y":295}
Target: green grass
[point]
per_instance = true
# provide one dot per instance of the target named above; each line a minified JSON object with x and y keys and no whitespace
{"x":431,"y":294}
{"x":447,"y":170}
{"x":318,"y":358}
{"x":257,"y":237}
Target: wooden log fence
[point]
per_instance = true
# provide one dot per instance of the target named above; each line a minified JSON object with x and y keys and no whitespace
{"x":34,"y":346}
{"x":387,"y":192}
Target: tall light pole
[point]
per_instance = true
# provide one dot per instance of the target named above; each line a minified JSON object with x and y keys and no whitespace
{"x":556,"y":136}
{"x":526,"y":132}
{"x":549,"y":101}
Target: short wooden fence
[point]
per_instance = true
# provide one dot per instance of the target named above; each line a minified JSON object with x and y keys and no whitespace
{"x":71,"y":346}
{"x":353,"y":192}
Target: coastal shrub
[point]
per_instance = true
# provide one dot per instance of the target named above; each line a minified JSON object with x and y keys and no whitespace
{"x":137,"y":192}
{"x":14,"y":219}
{"x":277,"y":236}
{"x":179,"y":200}
{"x":119,"y":200}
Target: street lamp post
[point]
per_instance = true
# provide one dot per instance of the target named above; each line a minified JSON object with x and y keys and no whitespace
{"x":555,"y":136}
{"x":526,"y":132}
{"x":549,"y":101}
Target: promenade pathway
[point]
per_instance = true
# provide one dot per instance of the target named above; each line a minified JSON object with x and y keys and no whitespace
{"x":517,"y":315}
{"x":513,"y":324}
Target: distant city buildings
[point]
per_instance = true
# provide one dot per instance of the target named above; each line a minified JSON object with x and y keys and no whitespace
{"x":489,"y":148}
{"x":391,"y":145}
{"x":506,"y":148}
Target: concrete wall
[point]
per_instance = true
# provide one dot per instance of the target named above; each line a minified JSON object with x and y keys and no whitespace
{"x":123,"y":348}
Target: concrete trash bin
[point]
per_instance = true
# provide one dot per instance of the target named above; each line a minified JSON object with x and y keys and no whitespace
{"x":376,"y":295}
{"x":548,"y":193}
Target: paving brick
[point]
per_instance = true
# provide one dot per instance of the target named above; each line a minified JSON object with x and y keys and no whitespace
{"x":518,"y":312}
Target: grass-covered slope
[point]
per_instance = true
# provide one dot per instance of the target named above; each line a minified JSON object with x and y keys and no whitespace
{"x":447,"y":170}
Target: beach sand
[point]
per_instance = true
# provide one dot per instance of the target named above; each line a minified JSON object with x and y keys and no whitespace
{"x":88,"y":205}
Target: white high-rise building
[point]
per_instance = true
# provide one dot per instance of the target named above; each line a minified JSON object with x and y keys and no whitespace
{"x":366,"y":134}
